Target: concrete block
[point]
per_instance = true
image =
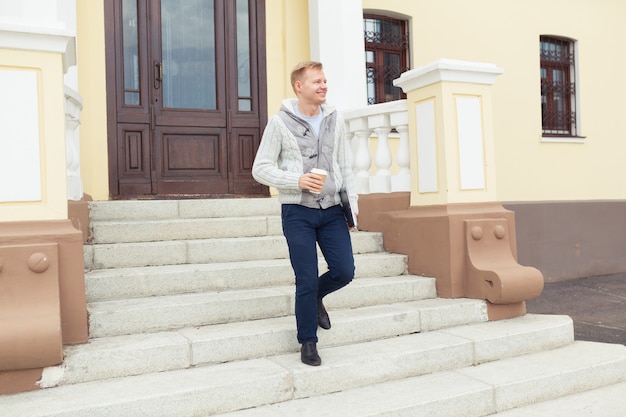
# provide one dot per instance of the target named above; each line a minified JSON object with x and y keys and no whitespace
{"x":111,"y":318}
{"x":122,"y":356}
{"x":514,"y":337}
{"x":132,"y":209}
{"x":191,"y":392}
{"x":448,"y":312}
{"x":546,"y":375}
{"x":123,"y":255}
{"x":362,"y":364}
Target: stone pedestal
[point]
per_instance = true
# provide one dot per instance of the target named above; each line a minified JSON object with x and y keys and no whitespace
{"x":452,"y":227}
{"x":41,"y":273}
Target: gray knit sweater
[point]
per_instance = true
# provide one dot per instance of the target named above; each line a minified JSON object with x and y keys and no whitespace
{"x":289,"y":148}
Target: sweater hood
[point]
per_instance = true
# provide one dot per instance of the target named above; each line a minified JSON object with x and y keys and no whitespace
{"x":289,"y":103}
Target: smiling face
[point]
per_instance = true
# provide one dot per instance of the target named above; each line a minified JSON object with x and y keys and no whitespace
{"x":311,"y":87}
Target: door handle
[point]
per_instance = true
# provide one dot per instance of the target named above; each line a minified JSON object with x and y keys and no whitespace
{"x":158,"y":74}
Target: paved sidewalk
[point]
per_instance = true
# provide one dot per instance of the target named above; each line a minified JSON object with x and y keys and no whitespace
{"x":597,"y":305}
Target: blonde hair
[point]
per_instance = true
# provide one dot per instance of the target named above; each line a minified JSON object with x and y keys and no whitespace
{"x":298,"y":71}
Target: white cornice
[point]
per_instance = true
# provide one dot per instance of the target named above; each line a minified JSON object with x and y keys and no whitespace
{"x":448,"y":70}
{"x":40,"y":42}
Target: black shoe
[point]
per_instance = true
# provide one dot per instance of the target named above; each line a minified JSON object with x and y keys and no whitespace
{"x":322,"y":316}
{"x":308,"y":354}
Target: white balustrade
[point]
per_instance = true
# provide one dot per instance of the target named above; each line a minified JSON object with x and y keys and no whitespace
{"x":73,"y":107}
{"x":374,"y":127}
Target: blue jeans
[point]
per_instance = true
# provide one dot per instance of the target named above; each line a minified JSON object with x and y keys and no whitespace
{"x":303,"y":227}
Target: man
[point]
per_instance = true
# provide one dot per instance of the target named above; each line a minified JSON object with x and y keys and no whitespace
{"x":306,"y":134}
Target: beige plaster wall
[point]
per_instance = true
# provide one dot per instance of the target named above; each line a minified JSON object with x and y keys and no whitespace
{"x":92,"y":88}
{"x":503,"y":33}
{"x":507,"y":34}
{"x":287,"y":32}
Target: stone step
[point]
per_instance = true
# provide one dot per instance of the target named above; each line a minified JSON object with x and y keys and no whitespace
{"x":123,"y":356}
{"x":191,"y":314}
{"x":201,"y":251}
{"x":143,"y":210}
{"x":486,"y":389}
{"x":135,"y":282}
{"x":392,"y":377}
{"x":155,"y":314}
{"x":111,"y":357}
{"x":117,"y":231}
{"x":609,"y":401}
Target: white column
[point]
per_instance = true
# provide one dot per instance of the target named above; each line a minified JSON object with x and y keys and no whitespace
{"x":336,"y":33}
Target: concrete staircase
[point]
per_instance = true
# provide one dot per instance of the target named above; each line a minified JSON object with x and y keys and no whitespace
{"x":191,"y":314}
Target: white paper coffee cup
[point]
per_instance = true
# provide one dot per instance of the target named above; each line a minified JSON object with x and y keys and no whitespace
{"x":321,"y":172}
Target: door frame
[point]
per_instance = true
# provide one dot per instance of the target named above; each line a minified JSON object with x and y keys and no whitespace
{"x":113,"y":75}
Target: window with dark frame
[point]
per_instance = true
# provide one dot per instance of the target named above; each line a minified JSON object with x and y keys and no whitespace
{"x":558,"y":87}
{"x":386,"y":56}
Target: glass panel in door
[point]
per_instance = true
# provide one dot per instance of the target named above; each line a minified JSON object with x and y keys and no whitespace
{"x":244,"y":101}
{"x":130,"y":38}
{"x":188,"y":71}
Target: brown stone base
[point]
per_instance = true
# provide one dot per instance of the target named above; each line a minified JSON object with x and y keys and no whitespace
{"x":70,"y":267}
{"x":78,"y":213}
{"x":30,"y":318}
{"x":41,"y":266}
{"x":571,"y":239}
{"x":562,"y":239}
{"x":434,"y":238}
{"x":505,"y":311}
{"x":373,"y":206}
{"x":19,"y":381}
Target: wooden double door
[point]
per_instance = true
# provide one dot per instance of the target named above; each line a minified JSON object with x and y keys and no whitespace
{"x":186,"y":96}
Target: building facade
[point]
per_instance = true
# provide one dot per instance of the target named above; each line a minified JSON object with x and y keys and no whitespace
{"x":511,"y":110}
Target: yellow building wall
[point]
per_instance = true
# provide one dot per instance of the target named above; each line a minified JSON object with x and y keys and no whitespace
{"x":507,"y":34}
{"x":287,"y":38}
{"x":503,"y":33}
{"x":94,"y":165}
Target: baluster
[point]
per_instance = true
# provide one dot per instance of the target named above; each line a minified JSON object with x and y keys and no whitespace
{"x":352,"y":146}
{"x":362,"y":162}
{"x":381,"y":182}
{"x":402,"y":180}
